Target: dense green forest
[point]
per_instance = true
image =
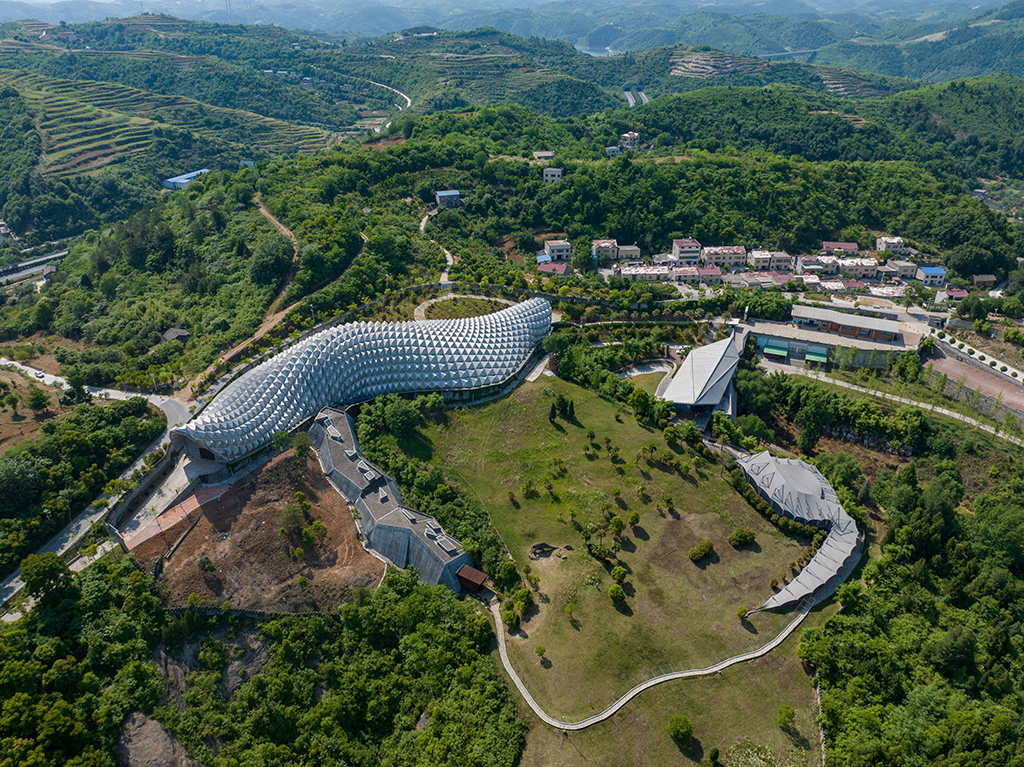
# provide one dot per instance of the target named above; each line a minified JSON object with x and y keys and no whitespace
{"x":46,"y":480}
{"x":401,"y":676}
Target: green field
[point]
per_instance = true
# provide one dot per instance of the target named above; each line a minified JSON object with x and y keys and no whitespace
{"x":677,"y":614}
{"x":740,"y":703}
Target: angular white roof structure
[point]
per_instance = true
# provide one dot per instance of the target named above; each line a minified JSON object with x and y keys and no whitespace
{"x":359,"y":361}
{"x":704,"y":376}
{"x":799,"y":491}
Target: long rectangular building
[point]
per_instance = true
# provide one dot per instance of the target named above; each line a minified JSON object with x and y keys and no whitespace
{"x":849,"y":325}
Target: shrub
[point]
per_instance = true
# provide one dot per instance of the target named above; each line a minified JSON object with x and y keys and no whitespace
{"x":206,"y":564}
{"x":1002,"y":368}
{"x":741,"y":613}
{"x":616,"y":593}
{"x":992,"y":364}
{"x":741,"y":536}
{"x":787,"y":717}
{"x":701,"y":550}
{"x":680,"y":729}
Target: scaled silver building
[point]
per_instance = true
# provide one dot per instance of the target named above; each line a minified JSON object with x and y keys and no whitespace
{"x":359,"y":361}
{"x":799,"y":491}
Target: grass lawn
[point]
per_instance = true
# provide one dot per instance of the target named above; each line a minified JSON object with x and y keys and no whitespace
{"x":649,"y":381}
{"x":725,"y":709}
{"x":677,"y":613}
{"x":457,"y":308}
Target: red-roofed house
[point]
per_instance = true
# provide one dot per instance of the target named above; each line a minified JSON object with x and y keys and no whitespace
{"x":560,"y":270}
{"x":710,"y":275}
{"x":839,"y":248}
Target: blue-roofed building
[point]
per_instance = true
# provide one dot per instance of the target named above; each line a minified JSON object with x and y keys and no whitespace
{"x":448,"y":199}
{"x":180,"y":182}
{"x":932,"y":276}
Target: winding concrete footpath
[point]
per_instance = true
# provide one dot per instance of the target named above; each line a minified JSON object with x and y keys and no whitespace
{"x":789,"y":370}
{"x":801,"y":613}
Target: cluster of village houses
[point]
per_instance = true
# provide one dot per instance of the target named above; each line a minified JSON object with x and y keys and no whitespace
{"x":839,"y":267}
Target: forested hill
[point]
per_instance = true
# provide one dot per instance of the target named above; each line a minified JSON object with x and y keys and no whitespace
{"x":988,"y":43}
{"x":962,"y":131}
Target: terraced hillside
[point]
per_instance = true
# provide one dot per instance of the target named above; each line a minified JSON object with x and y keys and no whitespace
{"x":85,"y":125}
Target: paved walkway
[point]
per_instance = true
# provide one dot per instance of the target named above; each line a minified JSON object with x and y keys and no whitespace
{"x":790,"y":370}
{"x":421,"y":310}
{"x":539,"y":370}
{"x":779,"y":638}
{"x":449,"y":260}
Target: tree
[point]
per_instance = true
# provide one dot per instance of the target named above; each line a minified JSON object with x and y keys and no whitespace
{"x":400,"y":415}
{"x":540,"y":650}
{"x":570,"y":413}
{"x":680,"y":729}
{"x":301,"y":444}
{"x":552,"y":413}
{"x":12,"y":401}
{"x":38,"y":399}
{"x":742,"y":612}
{"x":292,"y":519}
{"x":616,"y":526}
{"x":281,"y":440}
{"x":634,"y":518}
{"x":206,"y":564}
{"x":787,"y":717}
{"x":639,"y":401}
{"x":45,"y":575}
{"x":616,"y":593}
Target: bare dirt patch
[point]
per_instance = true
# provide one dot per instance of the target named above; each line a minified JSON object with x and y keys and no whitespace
{"x":239,"y":532}
{"x":144,"y":742}
{"x":21,"y":424}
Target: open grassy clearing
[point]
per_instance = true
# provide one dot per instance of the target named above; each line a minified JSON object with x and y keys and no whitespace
{"x":677,"y":613}
{"x":457,"y":308}
{"x":740,"y":703}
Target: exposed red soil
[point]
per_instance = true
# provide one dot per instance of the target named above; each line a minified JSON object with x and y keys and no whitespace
{"x":240,"y":533}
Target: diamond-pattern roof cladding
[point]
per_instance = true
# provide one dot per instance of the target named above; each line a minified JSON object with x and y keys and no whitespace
{"x":361,"y":360}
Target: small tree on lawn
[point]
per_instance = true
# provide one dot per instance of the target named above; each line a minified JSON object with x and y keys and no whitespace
{"x":540,"y":650}
{"x":618,"y":596}
{"x":741,"y":613}
{"x":634,"y":518}
{"x":619,"y":573}
{"x":680,"y":729}
{"x":552,"y":413}
{"x":616,"y":526}
{"x":787,"y":717}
